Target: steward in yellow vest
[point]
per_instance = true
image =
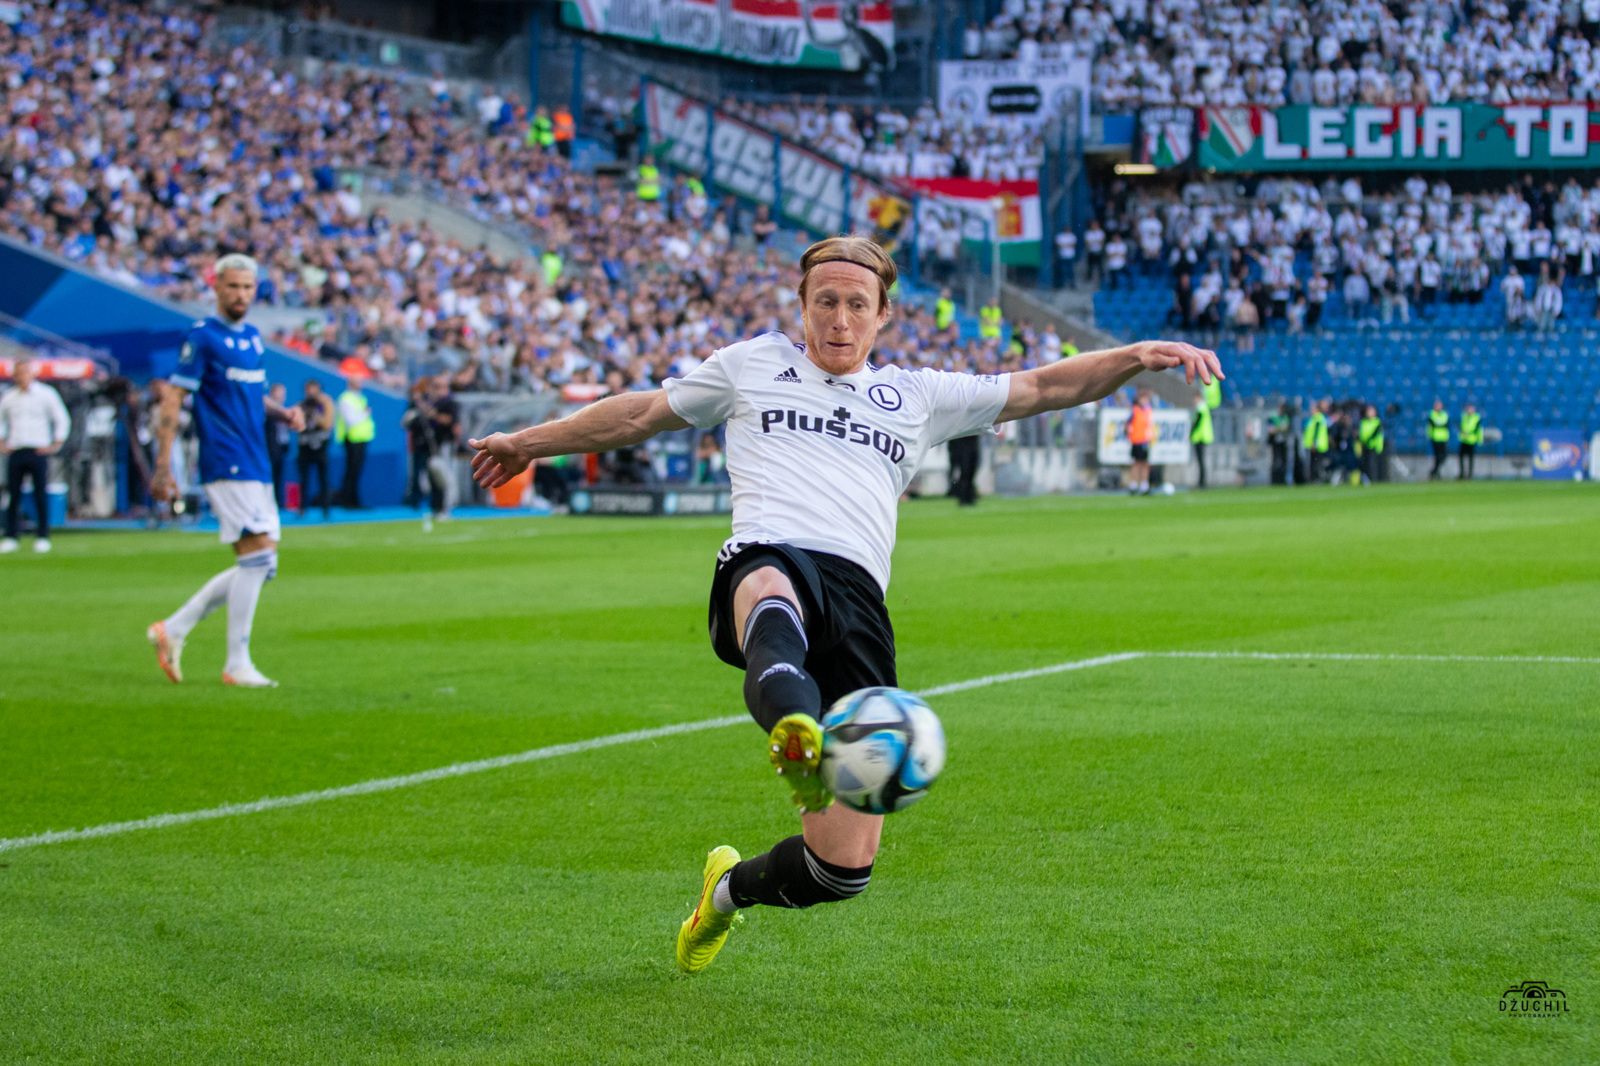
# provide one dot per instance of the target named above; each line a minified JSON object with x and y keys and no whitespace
{"x":990,"y":318}
{"x":1439,"y":438}
{"x":648,"y":183}
{"x":1471,"y":435}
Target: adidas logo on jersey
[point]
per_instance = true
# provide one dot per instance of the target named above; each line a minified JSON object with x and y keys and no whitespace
{"x":788,"y":375}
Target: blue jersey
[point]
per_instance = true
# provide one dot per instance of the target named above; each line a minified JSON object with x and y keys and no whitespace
{"x":221,"y":366}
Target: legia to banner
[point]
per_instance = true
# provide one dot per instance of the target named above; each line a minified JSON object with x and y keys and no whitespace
{"x":1400,"y":136}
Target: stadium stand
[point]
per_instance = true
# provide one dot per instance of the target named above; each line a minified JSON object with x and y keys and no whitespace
{"x":132,"y":147}
{"x":1416,"y":287}
{"x":1193,"y":54}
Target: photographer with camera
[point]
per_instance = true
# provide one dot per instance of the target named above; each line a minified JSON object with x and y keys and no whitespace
{"x":432,"y":423}
{"x":312,"y":453}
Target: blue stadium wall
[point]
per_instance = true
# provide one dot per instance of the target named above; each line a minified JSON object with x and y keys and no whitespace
{"x":145,"y":333}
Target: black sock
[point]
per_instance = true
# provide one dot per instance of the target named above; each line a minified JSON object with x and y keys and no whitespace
{"x":775,"y":679}
{"x":791,"y":875}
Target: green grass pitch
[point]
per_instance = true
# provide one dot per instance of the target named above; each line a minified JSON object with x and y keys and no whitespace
{"x":1158,"y":861}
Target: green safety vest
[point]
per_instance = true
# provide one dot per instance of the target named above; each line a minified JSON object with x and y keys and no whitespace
{"x":1316,"y":435}
{"x":944,"y":313}
{"x":1439,"y":426}
{"x":541,"y":132}
{"x":1068,"y":349}
{"x":363,"y":431}
{"x":552,"y":266}
{"x":1212,"y":393}
{"x":1370,"y":434}
{"x":696,"y":186}
{"x":649,"y":187}
{"x":1203,"y":431}
{"x":1471,"y":428}
{"x":989,"y":319}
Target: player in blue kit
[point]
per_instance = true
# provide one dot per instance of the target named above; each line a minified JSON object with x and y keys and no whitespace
{"x":220,"y":364}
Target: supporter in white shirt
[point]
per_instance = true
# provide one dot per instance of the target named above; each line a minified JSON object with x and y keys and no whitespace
{"x":489,"y":108}
{"x":1116,"y":259}
{"x":1316,"y":298}
{"x":1514,"y":290}
{"x":1541,"y":242}
{"x":1547,"y":303}
{"x":1066,"y":246}
{"x":1357,"y":294}
{"x":1590,"y":254}
{"x":1430,"y":275}
{"x":1049,"y":345}
{"x":1405,"y":270}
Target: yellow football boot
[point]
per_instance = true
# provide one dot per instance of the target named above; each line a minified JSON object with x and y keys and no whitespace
{"x":703,"y":933}
{"x":795,"y":748}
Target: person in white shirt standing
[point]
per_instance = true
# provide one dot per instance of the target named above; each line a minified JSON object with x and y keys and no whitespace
{"x":33,"y":426}
{"x":820,"y":447}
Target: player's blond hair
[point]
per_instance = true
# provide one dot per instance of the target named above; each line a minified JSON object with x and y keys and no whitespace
{"x":237,"y":261}
{"x":862,"y":251}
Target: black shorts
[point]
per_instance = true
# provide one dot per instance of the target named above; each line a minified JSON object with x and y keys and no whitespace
{"x":1140,"y":452}
{"x":851,"y":642}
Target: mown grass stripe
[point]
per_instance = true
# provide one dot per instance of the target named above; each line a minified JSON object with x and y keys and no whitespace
{"x":461,"y":769}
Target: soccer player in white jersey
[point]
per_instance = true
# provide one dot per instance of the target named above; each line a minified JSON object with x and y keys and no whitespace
{"x":220,"y":363}
{"x":820,"y":447}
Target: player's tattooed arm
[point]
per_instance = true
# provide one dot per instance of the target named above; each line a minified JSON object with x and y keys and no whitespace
{"x":615,"y":422}
{"x":1096,"y":375}
{"x":172,"y":397}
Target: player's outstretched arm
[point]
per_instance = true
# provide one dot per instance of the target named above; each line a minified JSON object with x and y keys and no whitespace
{"x":1096,"y":375}
{"x":615,"y":422}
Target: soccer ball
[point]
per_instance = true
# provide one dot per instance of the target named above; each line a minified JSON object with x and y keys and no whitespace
{"x":882,"y":749}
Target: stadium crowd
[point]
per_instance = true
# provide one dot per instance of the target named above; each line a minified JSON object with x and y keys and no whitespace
{"x":127,"y":145}
{"x":1165,"y":52}
{"x":1285,"y":253}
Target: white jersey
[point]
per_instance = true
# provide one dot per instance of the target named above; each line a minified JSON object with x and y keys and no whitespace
{"x":819,"y":461}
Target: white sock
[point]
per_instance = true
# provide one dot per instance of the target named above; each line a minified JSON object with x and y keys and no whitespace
{"x":254,"y":570}
{"x":208,"y":599}
{"x":722,"y":895}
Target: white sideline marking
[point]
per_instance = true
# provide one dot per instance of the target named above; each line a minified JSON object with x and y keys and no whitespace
{"x":382,"y":784}
{"x":1023,"y":675}
{"x":460,"y":769}
{"x":1363,"y":657}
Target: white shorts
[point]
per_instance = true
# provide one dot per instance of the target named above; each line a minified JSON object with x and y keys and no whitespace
{"x":243,"y":507}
